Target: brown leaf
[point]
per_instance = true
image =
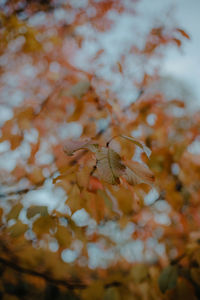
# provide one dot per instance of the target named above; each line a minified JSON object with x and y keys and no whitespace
{"x":74,"y":199}
{"x":137,"y":173}
{"x":94,"y":184}
{"x":139,"y":144}
{"x":75,"y":145}
{"x":139,"y":272}
{"x":109,"y":165}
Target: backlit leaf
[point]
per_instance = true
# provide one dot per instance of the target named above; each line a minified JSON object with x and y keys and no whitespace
{"x":36,"y":209}
{"x":109,"y":165}
{"x":43,"y":225}
{"x":139,"y":144}
{"x":17,"y":229}
{"x":181,"y":31}
{"x":137,"y":173}
{"x":63,"y":236}
{"x":74,"y":145}
{"x":14,"y":213}
{"x":139,"y":272}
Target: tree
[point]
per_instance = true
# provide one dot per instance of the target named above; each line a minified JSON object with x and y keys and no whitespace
{"x":86,"y":211}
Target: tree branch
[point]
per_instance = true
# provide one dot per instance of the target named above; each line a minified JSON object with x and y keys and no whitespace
{"x":70,"y":285}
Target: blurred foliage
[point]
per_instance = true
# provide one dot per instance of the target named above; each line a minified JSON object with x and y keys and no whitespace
{"x":37,"y":58}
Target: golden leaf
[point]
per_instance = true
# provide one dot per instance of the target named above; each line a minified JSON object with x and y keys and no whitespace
{"x":139,"y":272}
{"x":36,"y":209}
{"x":17,"y":229}
{"x":14,"y":212}
{"x":43,"y":225}
{"x":63,"y":236}
{"x":137,"y":173}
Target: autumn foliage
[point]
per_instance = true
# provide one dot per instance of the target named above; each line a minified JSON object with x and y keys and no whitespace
{"x":100,"y":199}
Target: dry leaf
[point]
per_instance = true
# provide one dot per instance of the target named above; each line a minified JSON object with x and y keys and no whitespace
{"x":139,"y":144}
{"x":109,"y":165}
{"x":137,"y":173}
{"x":72,"y":146}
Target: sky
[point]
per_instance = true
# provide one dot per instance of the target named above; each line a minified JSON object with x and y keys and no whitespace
{"x":185,"y":64}
{"x":181,"y":65}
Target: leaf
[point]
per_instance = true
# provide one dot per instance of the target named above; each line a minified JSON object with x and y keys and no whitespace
{"x":79,"y":89}
{"x":139,"y":144}
{"x":137,"y":173}
{"x":78,"y":112}
{"x":123,"y":200}
{"x":74,"y":199}
{"x":181,"y":31}
{"x":75,"y":145}
{"x":14,"y":213}
{"x":120,"y":67}
{"x":106,"y":199}
{"x":17,"y":229}
{"x":94,"y":184}
{"x":63,"y":236}
{"x":36,"y":209}
{"x":139,"y":273}
{"x":109,"y":165}
{"x":177,"y":41}
{"x":43,"y":225}
{"x":168,"y":278}
{"x":112,"y":293}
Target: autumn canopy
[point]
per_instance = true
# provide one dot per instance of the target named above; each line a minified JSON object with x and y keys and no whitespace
{"x":100,"y":191}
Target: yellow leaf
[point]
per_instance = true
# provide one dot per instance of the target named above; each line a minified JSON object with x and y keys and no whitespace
{"x":14,"y":213}
{"x":17,"y":229}
{"x":139,"y":273}
{"x":36,"y":209}
{"x":43,"y":225}
{"x":63,"y":236}
{"x":74,"y":199}
{"x":139,"y":144}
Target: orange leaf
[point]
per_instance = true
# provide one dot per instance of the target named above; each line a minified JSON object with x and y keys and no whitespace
{"x":181,"y":31}
{"x":94,"y":184}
